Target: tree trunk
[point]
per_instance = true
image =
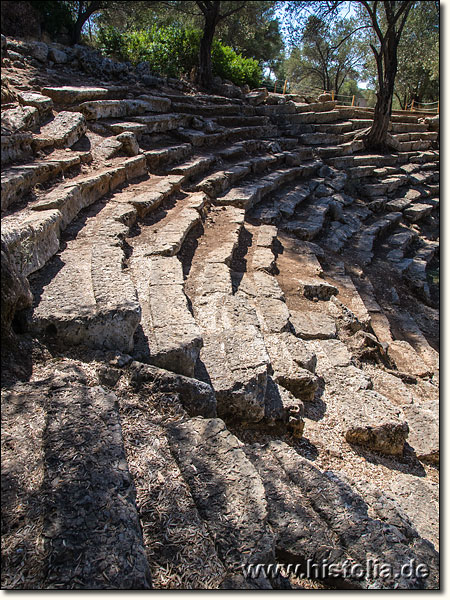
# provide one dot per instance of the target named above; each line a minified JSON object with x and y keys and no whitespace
{"x":376,"y":139}
{"x":205,"y":62}
{"x":76,"y":31}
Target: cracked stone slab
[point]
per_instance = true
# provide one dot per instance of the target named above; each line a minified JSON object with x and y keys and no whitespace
{"x":313,"y":325}
{"x":63,"y":131}
{"x":293,"y":364}
{"x":318,"y":516}
{"x":197,"y":397}
{"x":423,"y":432}
{"x":283,"y":412}
{"x":105,"y":312}
{"x":233,"y":354}
{"x":376,"y":423}
{"x":226,"y":488}
{"x":91,"y":490}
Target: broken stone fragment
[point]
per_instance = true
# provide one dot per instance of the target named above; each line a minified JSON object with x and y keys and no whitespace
{"x":317,"y":288}
{"x":373,"y":422}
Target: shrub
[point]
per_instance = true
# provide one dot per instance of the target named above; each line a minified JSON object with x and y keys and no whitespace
{"x":173,"y":51}
{"x":235,"y":67}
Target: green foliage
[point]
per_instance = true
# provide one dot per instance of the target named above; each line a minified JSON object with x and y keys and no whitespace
{"x":173,"y":52}
{"x":227,"y":64}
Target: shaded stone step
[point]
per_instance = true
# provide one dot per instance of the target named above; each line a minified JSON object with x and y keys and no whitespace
{"x":172,"y":230}
{"x":418,"y":497}
{"x":168,"y":512}
{"x":105,"y":313}
{"x":160,"y":158}
{"x":408,"y":127}
{"x":33,"y":237}
{"x":316,"y":139}
{"x":15,"y":146}
{"x":311,"y":220}
{"x":249,"y":195}
{"x":91,"y":489}
{"x":170,"y":337}
{"x":241,"y":120}
{"x":227,"y":490}
{"x":146,"y":124}
{"x":343,"y":127}
{"x":104,"y":109}
{"x":63,"y":131}
{"x":402,"y":201}
{"x":158,"y":189}
{"x":194,"y":167}
{"x":317,"y":516}
{"x":17,"y":181}
{"x":365,"y":241}
{"x":20,"y":118}
{"x":377,"y":160}
{"x":207,"y":110}
{"x":197,"y":397}
{"x":44,"y":104}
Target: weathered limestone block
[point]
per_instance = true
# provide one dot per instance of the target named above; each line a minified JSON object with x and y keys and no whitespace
{"x":407,"y":360}
{"x":71,"y":94}
{"x":423,"y":432}
{"x":318,"y":516}
{"x":20,"y":118}
{"x":375,"y":423}
{"x":32,"y":240}
{"x":15,"y":290}
{"x":227,"y":490}
{"x":313,"y":325}
{"x":171,"y":235}
{"x":293,"y":364}
{"x":65,"y":129}
{"x":317,"y":288}
{"x":90,"y":489}
{"x":151,"y":199}
{"x":44,"y":104}
{"x":15,"y":146}
{"x":283,"y":413}
{"x":105,"y":313}
{"x":198,"y":398}
{"x":16,"y":181}
{"x":234,"y":355}
{"x":102,"y":109}
{"x":159,"y":158}
{"x":174,"y":339}
{"x":419,"y":499}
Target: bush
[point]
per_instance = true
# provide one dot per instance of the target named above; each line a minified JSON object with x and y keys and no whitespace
{"x":173,"y":52}
{"x":227,"y":64}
